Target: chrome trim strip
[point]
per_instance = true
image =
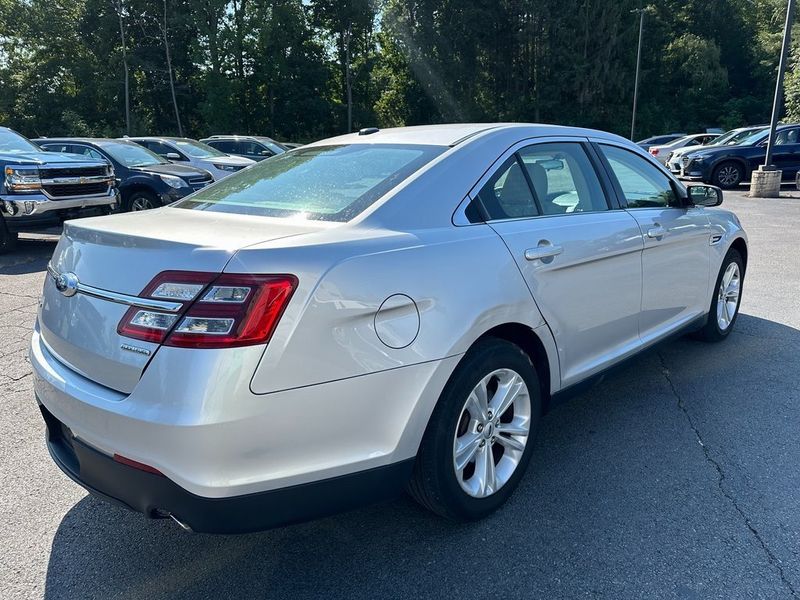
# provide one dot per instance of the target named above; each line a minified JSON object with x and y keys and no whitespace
{"x":77,"y":180}
{"x":118,"y":298}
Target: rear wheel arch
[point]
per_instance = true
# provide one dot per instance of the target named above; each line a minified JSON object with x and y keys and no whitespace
{"x":128,"y":190}
{"x":530,"y":343}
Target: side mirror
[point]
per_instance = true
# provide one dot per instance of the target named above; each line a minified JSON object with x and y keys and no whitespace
{"x":704,"y":195}
{"x":267,"y":153}
{"x":173,"y":156}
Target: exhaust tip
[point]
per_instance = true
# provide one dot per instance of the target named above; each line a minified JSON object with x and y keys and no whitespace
{"x":183,"y":525}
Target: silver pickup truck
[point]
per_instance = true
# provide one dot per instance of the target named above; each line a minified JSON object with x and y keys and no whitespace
{"x":39,"y":190}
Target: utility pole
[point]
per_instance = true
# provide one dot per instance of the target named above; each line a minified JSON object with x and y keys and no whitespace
{"x":776,"y":102}
{"x":641,"y":12}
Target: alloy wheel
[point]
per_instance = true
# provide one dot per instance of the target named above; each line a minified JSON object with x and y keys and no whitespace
{"x":491,"y":433}
{"x":728,"y":175}
{"x":728,"y":296}
{"x":141,"y":203}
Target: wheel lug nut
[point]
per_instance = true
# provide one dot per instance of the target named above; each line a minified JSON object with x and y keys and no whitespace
{"x":497,"y":422}
{"x":480,"y":428}
{"x":483,"y":443}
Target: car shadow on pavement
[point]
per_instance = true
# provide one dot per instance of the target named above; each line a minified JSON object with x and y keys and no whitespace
{"x":650,"y":484}
{"x":30,"y":256}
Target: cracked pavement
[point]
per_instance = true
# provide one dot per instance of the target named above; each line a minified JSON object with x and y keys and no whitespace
{"x":676,"y":477}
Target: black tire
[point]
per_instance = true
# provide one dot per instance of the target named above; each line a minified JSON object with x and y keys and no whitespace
{"x":712,"y":331}
{"x":138,"y":198}
{"x":8,"y":239}
{"x":434,"y":483}
{"x":728,"y":175}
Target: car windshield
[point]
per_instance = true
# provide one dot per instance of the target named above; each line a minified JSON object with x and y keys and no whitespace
{"x":329,"y":183}
{"x":753,"y":137}
{"x":730,"y":137}
{"x":11,"y":141}
{"x":197,"y":149}
{"x":273,"y":145}
{"x":131,"y":155}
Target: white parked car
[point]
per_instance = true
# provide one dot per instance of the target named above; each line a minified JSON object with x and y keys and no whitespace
{"x":661,"y":153}
{"x":370,"y":313}
{"x":186,"y":151}
{"x":730,"y":138}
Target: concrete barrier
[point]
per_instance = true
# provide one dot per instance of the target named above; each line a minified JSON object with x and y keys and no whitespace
{"x":765,"y":183}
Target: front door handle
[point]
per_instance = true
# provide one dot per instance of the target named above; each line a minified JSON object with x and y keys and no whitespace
{"x":543,"y":252}
{"x":656,"y":232}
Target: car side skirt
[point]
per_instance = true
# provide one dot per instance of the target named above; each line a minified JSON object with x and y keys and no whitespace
{"x":576,"y":389}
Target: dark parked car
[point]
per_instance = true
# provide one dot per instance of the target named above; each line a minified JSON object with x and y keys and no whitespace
{"x":728,"y":166}
{"x":255,"y":147}
{"x":145,"y":180}
{"x":659,"y":140}
{"x":40,"y":190}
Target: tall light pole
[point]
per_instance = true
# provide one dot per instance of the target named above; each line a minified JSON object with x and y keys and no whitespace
{"x":776,"y":102}
{"x":641,"y":12}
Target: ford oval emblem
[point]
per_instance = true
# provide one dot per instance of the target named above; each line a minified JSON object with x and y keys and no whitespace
{"x":67,"y":284}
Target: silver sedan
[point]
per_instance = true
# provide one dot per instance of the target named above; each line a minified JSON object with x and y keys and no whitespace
{"x":380,"y":311}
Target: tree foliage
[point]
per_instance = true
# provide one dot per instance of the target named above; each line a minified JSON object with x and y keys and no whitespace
{"x":303,"y":69}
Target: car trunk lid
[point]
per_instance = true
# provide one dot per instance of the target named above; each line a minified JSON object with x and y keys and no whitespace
{"x":116,"y":257}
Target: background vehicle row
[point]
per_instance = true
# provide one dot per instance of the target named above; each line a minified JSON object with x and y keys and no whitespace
{"x":145,"y":180}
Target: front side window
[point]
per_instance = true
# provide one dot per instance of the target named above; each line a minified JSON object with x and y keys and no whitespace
{"x":224,"y":146}
{"x":197,"y":149}
{"x":329,"y":183}
{"x":131,"y":155}
{"x":642,"y":184}
{"x":563,"y":178}
{"x":158,"y":147}
{"x":91,"y":152}
{"x":57,"y":147}
{"x":786,"y":137}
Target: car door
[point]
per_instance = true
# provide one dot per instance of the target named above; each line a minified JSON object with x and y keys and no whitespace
{"x":786,"y":152}
{"x":256,"y":151}
{"x":580,"y":255}
{"x":677,"y":243}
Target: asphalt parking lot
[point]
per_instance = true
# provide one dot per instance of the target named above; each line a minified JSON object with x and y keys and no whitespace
{"x":677,"y":477}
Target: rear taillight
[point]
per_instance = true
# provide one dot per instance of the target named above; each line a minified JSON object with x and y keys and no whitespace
{"x":654,"y":151}
{"x":216,"y":311}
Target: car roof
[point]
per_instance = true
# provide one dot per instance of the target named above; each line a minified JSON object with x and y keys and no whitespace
{"x":453,"y":134}
{"x":238,"y":137}
{"x":155,"y":138}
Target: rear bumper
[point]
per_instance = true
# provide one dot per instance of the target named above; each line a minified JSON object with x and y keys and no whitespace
{"x":157,"y":496}
{"x":215,"y":441}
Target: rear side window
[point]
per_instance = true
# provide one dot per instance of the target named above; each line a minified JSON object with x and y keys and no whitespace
{"x":329,"y":183}
{"x":507,"y":195}
{"x":642,"y":184}
{"x":563,"y":178}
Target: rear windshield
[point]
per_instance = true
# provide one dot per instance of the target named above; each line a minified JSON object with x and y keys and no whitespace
{"x":328,"y":183}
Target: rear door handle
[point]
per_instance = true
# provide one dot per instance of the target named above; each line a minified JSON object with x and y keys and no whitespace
{"x":656,"y":232}
{"x":543,"y":252}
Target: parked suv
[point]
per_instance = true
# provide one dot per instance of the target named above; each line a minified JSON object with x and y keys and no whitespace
{"x":41,"y":189}
{"x":731,"y":138}
{"x":254,"y":147}
{"x":145,"y":180}
{"x":194,"y":153}
{"x":728,"y":166}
